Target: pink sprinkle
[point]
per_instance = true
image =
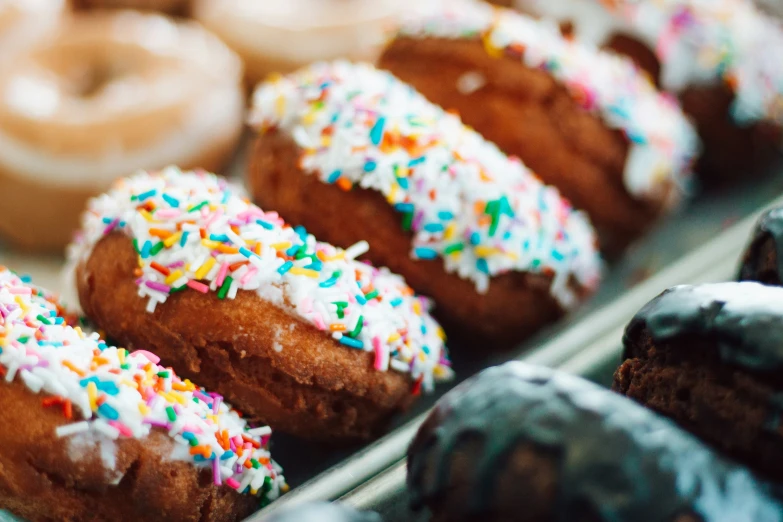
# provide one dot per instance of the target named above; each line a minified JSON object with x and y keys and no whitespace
{"x":198,"y":287}
{"x":319,"y":323}
{"x":379,"y":355}
{"x":157,"y":424}
{"x":216,"y":405}
{"x":111,"y":226}
{"x":249,"y":275}
{"x":178,"y":264}
{"x":193,"y":429}
{"x":216,"y":472}
{"x":160,"y":287}
{"x":238,"y":441}
{"x":306,"y":305}
{"x":233,"y":483}
{"x":151,"y":357}
{"x":232,"y":445}
{"x":168,"y":213}
{"x":202,"y":397}
{"x":215,"y":215}
{"x":21,"y":290}
{"x":122,"y":428}
{"x":222,"y":274}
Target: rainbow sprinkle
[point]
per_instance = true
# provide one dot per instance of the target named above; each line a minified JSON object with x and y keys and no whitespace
{"x":698,"y":42}
{"x":111,"y":394}
{"x":466,"y":202}
{"x":194,"y":230}
{"x":663,"y":143}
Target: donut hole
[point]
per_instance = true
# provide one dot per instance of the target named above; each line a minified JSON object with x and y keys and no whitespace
{"x":90,"y":80}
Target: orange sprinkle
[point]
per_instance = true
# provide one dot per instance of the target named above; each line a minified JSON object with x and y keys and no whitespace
{"x":345,"y":184}
{"x":227,"y":249}
{"x":236,"y":266}
{"x":159,"y":232}
{"x":248,"y":464}
{"x":203,"y":233}
{"x":160,"y":268}
{"x":100,"y":360}
{"x":138,"y":272}
{"x":67,"y":409}
{"x":74,"y":369}
{"x":337,"y":327}
{"x":257,"y":248}
{"x":235,"y":229}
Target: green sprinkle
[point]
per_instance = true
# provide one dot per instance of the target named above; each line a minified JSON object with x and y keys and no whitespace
{"x":255,"y":463}
{"x":43,"y":319}
{"x":193,"y":441}
{"x":456,"y":247}
{"x":157,"y":248}
{"x":358,"y":328}
{"x":371,"y":295}
{"x":198,"y":207}
{"x":164,"y":374}
{"x":24,"y":339}
{"x":407,"y":220}
{"x":136,"y":246}
{"x":171,"y":413}
{"x":176,"y":289}
{"x":125,"y":366}
{"x":224,"y":287}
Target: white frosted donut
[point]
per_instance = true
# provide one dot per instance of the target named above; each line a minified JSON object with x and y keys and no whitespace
{"x":279,"y":36}
{"x":109,"y":94}
{"x":25,"y":22}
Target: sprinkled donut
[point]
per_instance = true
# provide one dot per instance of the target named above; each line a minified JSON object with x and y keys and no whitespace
{"x":350,"y":152}
{"x":521,"y":443}
{"x":720,"y":56}
{"x":110,"y":93}
{"x":283,"y":36}
{"x":26,"y":22}
{"x":117,"y":436}
{"x":586,"y":121}
{"x":294,"y":332}
{"x":321,"y":512}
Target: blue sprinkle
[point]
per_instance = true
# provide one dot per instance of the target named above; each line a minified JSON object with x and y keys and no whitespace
{"x":397,"y":301}
{"x":285,"y":267}
{"x":188,"y":435}
{"x":423,"y":330}
{"x":301,"y":232}
{"x":360,"y":299}
{"x":403,"y":182}
{"x":376,"y":133}
{"x":218,"y":237}
{"x":403,"y":207}
{"x":268,"y":226}
{"x":199,"y":458}
{"x":328,"y":283}
{"x":26,"y":279}
{"x":108,"y":412}
{"x":147,"y":195}
{"x":425,"y":349}
{"x":104,"y":386}
{"x":370,"y":165}
{"x":334,"y":176}
{"x":145,"y":250}
{"x":433,"y":227}
{"x":482,"y":265}
{"x":445,"y":215}
{"x":227,"y":455}
{"x":291,"y":252}
{"x":174,"y":202}
{"x":425,"y":253}
{"x":315,"y":265}
{"x":507,"y":234}
{"x":245,"y":252}
{"x":353,"y":343}
{"x":416,"y":161}
{"x":475,"y":238}
{"x":184,"y":239}
{"x":636,"y":138}
{"x":59,"y":320}
{"x":557,"y":256}
{"x":107,"y":220}
{"x":226,"y":195}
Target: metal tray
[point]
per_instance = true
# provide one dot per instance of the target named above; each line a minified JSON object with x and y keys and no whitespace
{"x":596,"y":360}
{"x":317,"y":472}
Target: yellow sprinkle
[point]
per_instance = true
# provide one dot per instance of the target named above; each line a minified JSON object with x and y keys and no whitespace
{"x":484,"y":251}
{"x":169,"y":241}
{"x":21,"y":304}
{"x":79,"y":332}
{"x":146,"y":215}
{"x":212,"y":245}
{"x":284,"y":488}
{"x":285,"y":245}
{"x":449,"y":232}
{"x":393,"y":337}
{"x":392,"y":193}
{"x":304,"y":271}
{"x":202,"y":272}
{"x":144,"y":409}
{"x":438,"y":371}
{"x":178,"y":397}
{"x":416,"y":307}
{"x":121,"y":355}
{"x":213,"y":418}
{"x":129,"y":383}
{"x":441,"y":333}
{"x":338,"y":255}
{"x":280,"y":105}
{"x":92,"y":394}
{"x":309,"y":118}
{"x":326,"y":141}
{"x":174,"y":276}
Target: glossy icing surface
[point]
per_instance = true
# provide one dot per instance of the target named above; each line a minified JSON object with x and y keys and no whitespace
{"x":769,"y":227}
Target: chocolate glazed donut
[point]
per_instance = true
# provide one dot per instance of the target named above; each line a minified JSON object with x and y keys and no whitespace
{"x":520,"y":443}
{"x":763,"y":259}
{"x":709,"y":357}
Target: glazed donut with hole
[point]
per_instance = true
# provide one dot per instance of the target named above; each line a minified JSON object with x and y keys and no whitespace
{"x":110,"y":93}
{"x":26,"y":22}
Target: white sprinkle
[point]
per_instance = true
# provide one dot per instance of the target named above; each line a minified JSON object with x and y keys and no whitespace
{"x":71,"y":429}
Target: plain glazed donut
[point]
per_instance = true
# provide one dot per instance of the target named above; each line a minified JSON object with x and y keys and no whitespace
{"x":171,"y":7}
{"x":282,"y":36}
{"x":116,"y":435}
{"x":352,"y":153}
{"x":25,"y":22}
{"x":111,"y":93}
{"x":294,"y":332}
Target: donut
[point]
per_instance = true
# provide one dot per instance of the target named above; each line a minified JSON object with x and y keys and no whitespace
{"x":763,"y":259}
{"x":521,"y":443}
{"x":719,"y":56}
{"x":294,"y":332}
{"x":709,"y":357}
{"x":279,"y":37}
{"x":110,"y":93}
{"x":349,"y":152}
{"x":171,"y":7}
{"x":26,"y":22}
{"x":320,"y":512}
{"x":94,"y":432}
{"x":585,"y":121}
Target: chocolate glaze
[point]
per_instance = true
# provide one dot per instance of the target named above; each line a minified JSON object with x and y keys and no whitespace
{"x":321,"y":512}
{"x":613,"y":456}
{"x":768,"y":228}
{"x":743,"y":320}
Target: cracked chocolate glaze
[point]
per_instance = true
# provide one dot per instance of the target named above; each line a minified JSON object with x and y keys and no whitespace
{"x":321,"y":512}
{"x":613,"y":456}
{"x":768,"y":228}
{"x":743,"y":320}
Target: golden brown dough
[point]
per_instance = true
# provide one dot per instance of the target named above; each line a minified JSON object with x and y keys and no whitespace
{"x":171,"y":7}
